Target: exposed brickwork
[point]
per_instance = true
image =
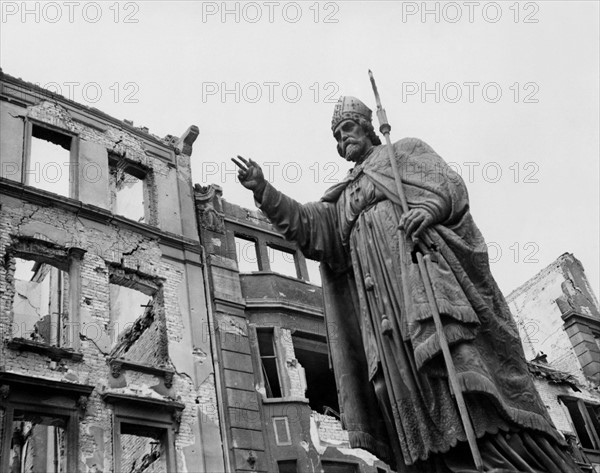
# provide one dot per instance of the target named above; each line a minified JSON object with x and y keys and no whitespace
{"x":330,"y":429}
{"x":142,"y":454}
{"x":555,"y":311}
{"x":539,"y":307}
{"x":157,"y":252}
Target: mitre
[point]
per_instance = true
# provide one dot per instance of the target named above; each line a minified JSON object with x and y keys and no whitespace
{"x":349,"y":108}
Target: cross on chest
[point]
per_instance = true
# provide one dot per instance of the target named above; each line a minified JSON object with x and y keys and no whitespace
{"x":355,"y":193}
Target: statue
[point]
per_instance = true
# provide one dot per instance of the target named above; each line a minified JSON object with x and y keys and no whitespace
{"x":393,"y":388}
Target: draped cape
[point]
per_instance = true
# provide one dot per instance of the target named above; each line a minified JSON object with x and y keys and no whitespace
{"x":485,"y":345}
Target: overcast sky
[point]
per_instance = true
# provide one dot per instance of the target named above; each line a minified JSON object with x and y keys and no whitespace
{"x":506,"y":92}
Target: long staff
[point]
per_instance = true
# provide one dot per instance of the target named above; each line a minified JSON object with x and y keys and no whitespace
{"x":425,"y":264}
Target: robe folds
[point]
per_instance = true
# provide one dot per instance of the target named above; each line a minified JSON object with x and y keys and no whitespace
{"x":394,"y":395}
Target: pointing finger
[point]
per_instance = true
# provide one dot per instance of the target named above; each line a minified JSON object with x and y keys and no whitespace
{"x":240,"y":165}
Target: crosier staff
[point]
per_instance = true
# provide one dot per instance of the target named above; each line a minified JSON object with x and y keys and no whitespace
{"x":425,"y":262}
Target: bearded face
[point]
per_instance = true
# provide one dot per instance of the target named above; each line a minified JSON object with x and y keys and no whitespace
{"x":354,"y":151}
{"x":353,"y":142}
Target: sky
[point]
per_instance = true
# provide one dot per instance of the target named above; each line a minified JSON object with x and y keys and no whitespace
{"x":506,"y":92}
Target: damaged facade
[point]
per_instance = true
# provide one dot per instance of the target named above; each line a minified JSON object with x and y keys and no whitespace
{"x":105,"y":361}
{"x":148,"y":326}
{"x":559,"y":323}
{"x":280,"y":398}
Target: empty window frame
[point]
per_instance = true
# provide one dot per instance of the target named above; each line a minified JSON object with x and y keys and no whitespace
{"x":131,"y":190}
{"x":314,"y":273}
{"x":40,"y":418}
{"x":127,"y":305}
{"x":133,"y":302}
{"x":143,"y":449}
{"x":41,"y":302}
{"x":50,"y":156}
{"x":38,"y":443}
{"x":246,"y":254}
{"x":282,"y":261}
{"x":586,"y":420}
{"x":269,"y":360}
{"x":143,"y":435}
{"x":311,"y":352}
{"x":143,"y":445}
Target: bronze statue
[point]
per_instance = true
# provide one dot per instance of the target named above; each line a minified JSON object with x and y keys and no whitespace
{"x":393,"y":388}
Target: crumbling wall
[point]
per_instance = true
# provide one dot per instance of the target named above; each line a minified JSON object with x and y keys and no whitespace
{"x":138,"y":456}
{"x":540,"y":307}
{"x":95,"y":329}
{"x":30,"y":215}
{"x":150,"y":344}
{"x":330,"y":430}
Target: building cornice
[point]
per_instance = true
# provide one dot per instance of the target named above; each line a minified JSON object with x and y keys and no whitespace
{"x":91,"y":212}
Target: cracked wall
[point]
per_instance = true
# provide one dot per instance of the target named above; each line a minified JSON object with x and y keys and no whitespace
{"x":153,"y":358}
{"x":557,"y":313}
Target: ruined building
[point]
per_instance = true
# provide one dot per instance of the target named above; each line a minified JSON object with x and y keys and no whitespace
{"x":559,"y":323}
{"x":105,"y":357}
{"x":280,"y":397}
{"x":149,"y":326}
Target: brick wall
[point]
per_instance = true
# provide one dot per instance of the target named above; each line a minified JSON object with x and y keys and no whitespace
{"x":50,"y":222}
{"x":539,"y":318}
{"x":330,"y":429}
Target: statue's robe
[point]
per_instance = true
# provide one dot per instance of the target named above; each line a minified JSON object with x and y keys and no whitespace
{"x":392,"y":384}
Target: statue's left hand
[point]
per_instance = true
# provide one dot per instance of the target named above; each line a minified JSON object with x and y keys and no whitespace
{"x":415,"y":222}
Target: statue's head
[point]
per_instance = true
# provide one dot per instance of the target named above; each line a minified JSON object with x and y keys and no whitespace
{"x":352,"y":128}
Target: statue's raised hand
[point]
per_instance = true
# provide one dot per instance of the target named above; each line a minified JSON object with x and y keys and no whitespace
{"x":250,"y":175}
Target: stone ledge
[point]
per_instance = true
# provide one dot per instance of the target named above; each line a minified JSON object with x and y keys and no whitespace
{"x":118,"y":364}
{"x":31,"y":383}
{"x":116,"y":398}
{"x":54,"y":353}
{"x":46,"y":199}
{"x":173,"y":409}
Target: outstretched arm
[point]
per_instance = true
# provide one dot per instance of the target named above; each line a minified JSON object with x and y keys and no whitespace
{"x":313,"y":226}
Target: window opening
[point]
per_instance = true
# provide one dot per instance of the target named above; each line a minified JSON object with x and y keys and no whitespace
{"x":129,"y":189}
{"x":137,"y":329}
{"x":245,"y":251}
{"x":314,"y":274}
{"x":143,"y":449}
{"x":282,"y":262}
{"x":49,"y":166}
{"x":38,"y":443}
{"x":127,"y":305}
{"x":586,"y":421}
{"x":268,"y":358}
{"x":311,"y":352}
{"x":40,"y":303}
